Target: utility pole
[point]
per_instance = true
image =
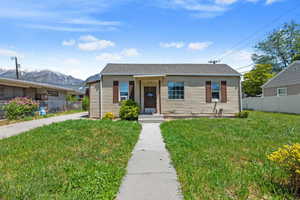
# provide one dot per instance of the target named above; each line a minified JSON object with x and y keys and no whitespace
{"x":214,"y":61}
{"x":17,"y":66}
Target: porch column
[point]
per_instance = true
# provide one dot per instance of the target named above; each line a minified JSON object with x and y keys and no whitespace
{"x":159,"y":98}
{"x":140,"y":93}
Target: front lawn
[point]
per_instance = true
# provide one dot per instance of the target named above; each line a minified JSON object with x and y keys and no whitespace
{"x":29,"y":118}
{"x":226,"y":158}
{"x":79,"y":159}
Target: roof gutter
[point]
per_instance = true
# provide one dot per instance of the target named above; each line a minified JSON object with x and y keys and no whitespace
{"x":169,"y":74}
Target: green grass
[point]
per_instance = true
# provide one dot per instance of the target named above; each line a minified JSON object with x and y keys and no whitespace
{"x":29,"y":118}
{"x":226,"y":158}
{"x":79,"y":159}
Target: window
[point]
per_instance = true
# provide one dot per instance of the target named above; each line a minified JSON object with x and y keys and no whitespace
{"x":52,"y":93}
{"x":281,"y":91}
{"x":124,"y":91}
{"x":215,"y":91}
{"x":1,"y":92}
{"x":176,"y":90}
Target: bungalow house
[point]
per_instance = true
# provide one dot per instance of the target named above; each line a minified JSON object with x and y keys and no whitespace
{"x":285,"y":83}
{"x":170,"y":90}
{"x":52,"y":97}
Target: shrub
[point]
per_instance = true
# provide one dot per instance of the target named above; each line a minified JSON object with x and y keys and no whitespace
{"x":296,"y":57}
{"x":71,"y":98}
{"x":288,"y":157}
{"x":20,"y":107}
{"x":85,"y":103}
{"x":109,"y":115}
{"x":129,"y":110}
{"x":242,"y":114}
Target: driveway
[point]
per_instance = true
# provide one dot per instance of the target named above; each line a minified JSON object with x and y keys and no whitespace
{"x":15,"y":129}
{"x":150,"y":175}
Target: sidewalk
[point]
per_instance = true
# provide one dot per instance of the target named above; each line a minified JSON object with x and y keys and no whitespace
{"x":150,"y":176}
{"x":17,"y":128}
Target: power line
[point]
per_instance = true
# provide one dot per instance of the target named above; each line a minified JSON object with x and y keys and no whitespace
{"x":256,"y":32}
{"x":245,"y":66}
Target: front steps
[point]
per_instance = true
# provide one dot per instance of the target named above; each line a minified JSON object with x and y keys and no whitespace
{"x":151,"y":118}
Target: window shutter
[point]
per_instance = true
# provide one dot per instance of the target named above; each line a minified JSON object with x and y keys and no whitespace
{"x":223,"y":92}
{"x":208,"y":91}
{"x":116,"y":92}
{"x":131,"y":90}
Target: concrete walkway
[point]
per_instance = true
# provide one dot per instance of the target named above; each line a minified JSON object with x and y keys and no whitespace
{"x":150,"y":176}
{"x":17,"y":128}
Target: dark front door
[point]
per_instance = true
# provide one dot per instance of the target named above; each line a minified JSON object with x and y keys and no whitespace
{"x":150,"y":98}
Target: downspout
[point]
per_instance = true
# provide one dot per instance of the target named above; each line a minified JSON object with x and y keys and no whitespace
{"x":241,"y":106}
{"x":101,"y":92}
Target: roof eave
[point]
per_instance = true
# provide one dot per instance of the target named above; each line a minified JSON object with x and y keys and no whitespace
{"x":26,"y":84}
{"x":168,"y":74}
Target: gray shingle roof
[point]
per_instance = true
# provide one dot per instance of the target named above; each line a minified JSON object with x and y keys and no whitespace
{"x":93,"y":78}
{"x":169,"y":69}
{"x":288,"y":76}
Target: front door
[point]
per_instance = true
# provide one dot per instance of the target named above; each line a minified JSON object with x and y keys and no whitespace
{"x":150,"y":99}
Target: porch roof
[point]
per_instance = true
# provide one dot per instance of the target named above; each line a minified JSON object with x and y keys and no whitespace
{"x":149,"y":75}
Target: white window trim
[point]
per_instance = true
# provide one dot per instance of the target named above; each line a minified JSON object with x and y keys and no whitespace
{"x":183,"y":90}
{"x":285,"y":94}
{"x":212,"y":99}
{"x":127,"y":97}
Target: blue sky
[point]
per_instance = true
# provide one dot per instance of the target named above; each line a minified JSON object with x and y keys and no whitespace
{"x":78,"y":37}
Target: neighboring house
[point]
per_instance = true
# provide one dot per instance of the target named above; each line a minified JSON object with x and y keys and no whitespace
{"x":172,"y":90}
{"x":280,"y":94}
{"x":52,"y":97}
{"x":285,"y":83}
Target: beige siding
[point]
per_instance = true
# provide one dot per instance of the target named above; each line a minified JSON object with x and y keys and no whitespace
{"x":107,"y":92}
{"x":291,"y":90}
{"x":95,"y":98}
{"x":194,"y":102}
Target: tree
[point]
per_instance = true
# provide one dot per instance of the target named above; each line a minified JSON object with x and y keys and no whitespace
{"x":279,"y":48}
{"x":296,"y":57}
{"x":254,"y":79}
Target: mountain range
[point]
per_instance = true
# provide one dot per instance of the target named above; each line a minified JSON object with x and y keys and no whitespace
{"x":46,"y":76}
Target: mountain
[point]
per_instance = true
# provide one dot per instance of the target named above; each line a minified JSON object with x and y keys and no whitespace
{"x":45,"y":76}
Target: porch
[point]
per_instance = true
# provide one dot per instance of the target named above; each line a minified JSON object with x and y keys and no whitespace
{"x":149,"y":94}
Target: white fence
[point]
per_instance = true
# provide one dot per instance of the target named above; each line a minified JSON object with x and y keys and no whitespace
{"x":283,"y":104}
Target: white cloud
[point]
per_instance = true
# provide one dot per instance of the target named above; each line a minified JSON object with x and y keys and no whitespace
{"x":71,"y":61}
{"x":199,"y":45}
{"x":81,"y":21}
{"x":207,"y":15}
{"x":195,"y":5}
{"x":68,"y":42}
{"x":91,"y":43}
{"x":268,"y":2}
{"x":130,"y":52}
{"x":226,"y":1}
{"x":202,"y":8}
{"x":196,"y":8}
{"x":238,"y":59}
{"x":8,"y":52}
{"x":65,"y":28}
{"x":108,"y":57}
{"x":172,"y":45}
{"x":88,"y":38}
